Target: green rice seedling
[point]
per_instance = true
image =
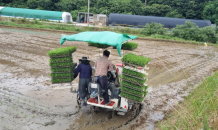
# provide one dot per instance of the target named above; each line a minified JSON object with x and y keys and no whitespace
{"x":136,"y":87}
{"x":62,"y":51}
{"x":61,"y":64}
{"x":131,"y":97}
{"x":136,"y":60}
{"x":129,"y":46}
{"x":134,"y":92}
{"x":133,"y":73}
{"x":55,"y":75}
{"x":134,"y":80}
{"x":66,"y":69}
{"x":1,"y":103}
{"x":98,"y":45}
{"x":61,"y":59}
{"x":61,"y":80}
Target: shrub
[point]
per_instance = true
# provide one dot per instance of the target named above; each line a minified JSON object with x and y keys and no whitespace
{"x":153,"y":28}
{"x":98,"y":45}
{"x":62,"y":51}
{"x":12,"y":20}
{"x":136,"y":60}
{"x":36,"y":22}
{"x":210,"y":34}
{"x":23,"y":20}
{"x":190,"y":31}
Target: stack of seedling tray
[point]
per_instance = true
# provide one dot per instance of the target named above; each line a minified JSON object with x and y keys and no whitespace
{"x":133,"y":84}
{"x":61,"y":63}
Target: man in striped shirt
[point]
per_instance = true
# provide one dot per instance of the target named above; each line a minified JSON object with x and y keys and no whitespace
{"x":102,"y":66}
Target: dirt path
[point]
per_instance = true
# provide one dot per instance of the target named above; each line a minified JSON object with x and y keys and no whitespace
{"x":29,"y":100}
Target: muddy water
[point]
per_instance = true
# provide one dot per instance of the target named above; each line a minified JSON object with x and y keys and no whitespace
{"x":24,"y":72}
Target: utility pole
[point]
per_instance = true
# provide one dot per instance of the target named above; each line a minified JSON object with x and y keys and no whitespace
{"x":88,"y":14}
{"x":145,"y":3}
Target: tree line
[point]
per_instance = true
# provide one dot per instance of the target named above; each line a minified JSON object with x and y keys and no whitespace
{"x":190,"y":9}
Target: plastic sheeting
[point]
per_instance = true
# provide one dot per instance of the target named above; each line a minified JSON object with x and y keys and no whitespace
{"x":139,"y":20}
{"x":105,"y":37}
{"x":31,"y":13}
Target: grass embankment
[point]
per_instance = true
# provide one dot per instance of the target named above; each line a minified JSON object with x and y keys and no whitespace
{"x":25,"y":23}
{"x":199,"y":111}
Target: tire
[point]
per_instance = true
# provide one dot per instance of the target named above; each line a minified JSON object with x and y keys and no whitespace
{"x":78,"y":100}
{"x":135,"y":110}
{"x":95,"y":109}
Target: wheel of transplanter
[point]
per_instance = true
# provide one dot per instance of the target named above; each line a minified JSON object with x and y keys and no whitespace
{"x":94,"y":109}
{"x":135,"y":110}
{"x":78,"y":100}
{"x":114,"y":112}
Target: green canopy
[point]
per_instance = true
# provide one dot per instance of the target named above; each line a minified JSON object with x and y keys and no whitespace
{"x":105,"y":37}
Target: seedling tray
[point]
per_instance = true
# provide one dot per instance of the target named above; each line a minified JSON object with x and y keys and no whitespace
{"x":62,"y":61}
{"x":131,"y":100}
{"x":132,"y":64}
{"x":60,"y":52}
{"x":133,"y":76}
{"x":123,"y":94}
{"x":141,"y":88}
{"x":60,"y":77}
{"x":66,"y":80}
{"x":61,"y":67}
{"x":132,"y":58}
{"x":132,"y":88}
{"x":62,"y":72}
{"x":62,"y":82}
{"x":60,"y":56}
{"x":132,"y":82}
{"x":132,"y":94}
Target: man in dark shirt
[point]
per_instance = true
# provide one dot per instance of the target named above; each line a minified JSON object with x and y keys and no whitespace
{"x":85,"y":70}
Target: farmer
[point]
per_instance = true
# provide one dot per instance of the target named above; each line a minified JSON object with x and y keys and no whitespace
{"x":102,"y":65}
{"x":85,"y":70}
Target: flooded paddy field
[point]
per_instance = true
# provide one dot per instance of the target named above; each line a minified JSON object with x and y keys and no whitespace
{"x":30,"y":102}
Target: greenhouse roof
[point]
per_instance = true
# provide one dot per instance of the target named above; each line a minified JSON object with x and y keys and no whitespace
{"x":31,"y":13}
{"x":140,"y":20}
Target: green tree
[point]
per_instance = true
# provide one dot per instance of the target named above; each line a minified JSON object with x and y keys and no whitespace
{"x":174,"y":14}
{"x":157,"y":10}
{"x":32,"y":4}
{"x":66,"y":5}
{"x":211,"y":11}
{"x":153,"y":28}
